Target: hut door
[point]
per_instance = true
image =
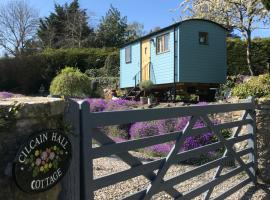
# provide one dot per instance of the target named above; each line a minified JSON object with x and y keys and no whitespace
{"x":145,"y":69}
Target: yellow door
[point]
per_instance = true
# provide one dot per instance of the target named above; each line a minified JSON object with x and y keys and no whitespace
{"x":145,"y":60}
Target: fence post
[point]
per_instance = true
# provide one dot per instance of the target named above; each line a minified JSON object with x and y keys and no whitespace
{"x":86,"y":162}
{"x":71,"y":182}
{"x":252,"y":143}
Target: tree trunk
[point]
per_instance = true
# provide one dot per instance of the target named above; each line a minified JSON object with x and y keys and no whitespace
{"x":249,"y":62}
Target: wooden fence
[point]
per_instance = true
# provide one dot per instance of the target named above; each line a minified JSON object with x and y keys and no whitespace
{"x":87,"y":123}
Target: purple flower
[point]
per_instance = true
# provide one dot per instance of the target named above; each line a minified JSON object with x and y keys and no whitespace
{"x":145,"y":129}
{"x":100,"y":105}
{"x":162,"y":149}
{"x":6,"y":95}
{"x":202,"y":103}
{"x":97,"y":105}
{"x":52,"y":155}
{"x":182,"y":122}
{"x":38,"y":161}
{"x":120,"y":104}
{"x":44,"y":155}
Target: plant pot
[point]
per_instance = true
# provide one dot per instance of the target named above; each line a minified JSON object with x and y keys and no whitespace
{"x":143,"y":100}
{"x":149,"y":101}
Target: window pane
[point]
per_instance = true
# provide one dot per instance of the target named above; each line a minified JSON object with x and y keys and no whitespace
{"x":203,"y":38}
{"x":163,"y":43}
{"x":128,"y":54}
{"x":159,"y":49}
{"x":166,"y":42}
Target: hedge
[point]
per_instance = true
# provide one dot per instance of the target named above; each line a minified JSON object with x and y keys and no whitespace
{"x":26,"y":74}
{"x":237,"y":63}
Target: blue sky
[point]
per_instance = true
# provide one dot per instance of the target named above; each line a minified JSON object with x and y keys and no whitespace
{"x":151,"y":13}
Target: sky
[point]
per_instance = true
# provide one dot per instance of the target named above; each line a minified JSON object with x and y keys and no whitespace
{"x":151,"y":13}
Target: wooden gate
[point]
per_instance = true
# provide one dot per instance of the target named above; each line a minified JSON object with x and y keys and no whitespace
{"x":89,"y":131}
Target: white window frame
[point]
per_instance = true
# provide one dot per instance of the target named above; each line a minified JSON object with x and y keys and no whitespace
{"x":160,"y":43}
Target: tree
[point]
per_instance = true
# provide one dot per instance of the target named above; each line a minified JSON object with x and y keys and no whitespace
{"x":18,"y":24}
{"x":112,"y":30}
{"x":76,"y":26}
{"x":244,"y":16}
{"x":67,"y":27}
{"x":157,"y":28}
{"x":266,"y":4}
{"x":51,"y":29}
{"x":134,"y":31}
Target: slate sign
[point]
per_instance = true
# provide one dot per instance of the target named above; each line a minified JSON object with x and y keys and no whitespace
{"x":42,"y":161}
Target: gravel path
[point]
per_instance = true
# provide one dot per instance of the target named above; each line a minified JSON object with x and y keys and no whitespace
{"x":106,"y":166}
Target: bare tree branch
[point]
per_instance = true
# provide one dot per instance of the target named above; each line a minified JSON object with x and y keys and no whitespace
{"x":18,"y":24}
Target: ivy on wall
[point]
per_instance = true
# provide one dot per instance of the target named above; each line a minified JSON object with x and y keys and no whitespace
{"x":8,"y":116}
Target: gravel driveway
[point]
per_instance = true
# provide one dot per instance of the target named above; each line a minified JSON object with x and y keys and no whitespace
{"x":109,"y":165}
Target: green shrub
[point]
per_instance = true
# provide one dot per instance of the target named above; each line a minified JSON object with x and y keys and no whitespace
{"x":106,"y":82}
{"x":94,"y":73}
{"x":25,"y":74}
{"x":257,"y":86}
{"x":187,"y":98}
{"x":71,"y":82}
{"x":146,"y":85}
{"x":112,"y":64}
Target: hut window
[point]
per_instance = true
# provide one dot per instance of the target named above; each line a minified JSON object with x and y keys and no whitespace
{"x":203,"y":38}
{"x":163,"y":43}
{"x":128,"y":54}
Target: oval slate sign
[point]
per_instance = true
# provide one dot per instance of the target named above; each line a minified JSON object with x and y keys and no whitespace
{"x":42,"y":161}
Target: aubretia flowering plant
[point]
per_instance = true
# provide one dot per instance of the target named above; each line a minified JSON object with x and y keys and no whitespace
{"x":160,"y":149}
{"x":145,"y":129}
{"x":100,"y":105}
{"x":5,"y":95}
{"x":97,"y":105}
{"x":151,"y":128}
{"x":120,"y":104}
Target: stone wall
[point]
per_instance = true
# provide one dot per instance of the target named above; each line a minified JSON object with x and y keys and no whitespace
{"x":32,"y":115}
{"x":263,"y":138}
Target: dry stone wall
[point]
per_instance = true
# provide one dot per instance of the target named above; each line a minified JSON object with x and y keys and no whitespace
{"x":32,"y":115}
{"x":263,"y":138}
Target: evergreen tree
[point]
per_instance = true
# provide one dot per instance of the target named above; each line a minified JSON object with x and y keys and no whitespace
{"x":112,"y":30}
{"x":66,"y":27}
{"x":266,"y":4}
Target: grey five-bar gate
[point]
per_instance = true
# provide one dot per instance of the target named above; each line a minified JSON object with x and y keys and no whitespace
{"x":89,"y":131}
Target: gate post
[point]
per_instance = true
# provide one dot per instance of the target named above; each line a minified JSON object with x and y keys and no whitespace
{"x":71,"y":182}
{"x":86,"y":161}
{"x":252,"y":143}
